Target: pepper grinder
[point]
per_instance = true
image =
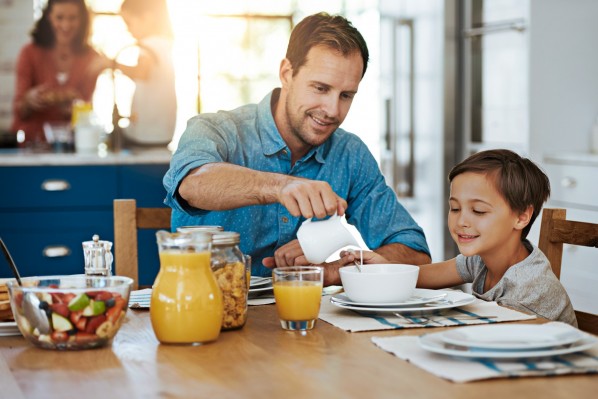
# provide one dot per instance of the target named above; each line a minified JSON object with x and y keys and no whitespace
{"x":98,"y":257}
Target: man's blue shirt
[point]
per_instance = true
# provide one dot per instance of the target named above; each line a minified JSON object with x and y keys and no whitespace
{"x":247,"y":136}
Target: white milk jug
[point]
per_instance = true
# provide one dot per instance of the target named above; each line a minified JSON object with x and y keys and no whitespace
{"x":320,"y":239}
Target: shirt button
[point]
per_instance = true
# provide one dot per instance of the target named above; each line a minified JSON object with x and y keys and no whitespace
{"x":285,"y":219}
{"x":285,"y":152}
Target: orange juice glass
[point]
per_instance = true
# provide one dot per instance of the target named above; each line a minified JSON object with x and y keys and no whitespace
{"x":298,"y":293}
{"x":186,"y":304}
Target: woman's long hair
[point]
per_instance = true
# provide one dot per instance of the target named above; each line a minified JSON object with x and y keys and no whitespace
{"x":43,"y":34}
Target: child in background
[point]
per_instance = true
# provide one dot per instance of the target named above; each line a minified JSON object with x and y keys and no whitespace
{"x":495,"y":196}
{"x":154,"y":106}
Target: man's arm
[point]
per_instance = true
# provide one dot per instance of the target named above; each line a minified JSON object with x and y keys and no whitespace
{"x":222,"y":186}
{"x":399,"y":253}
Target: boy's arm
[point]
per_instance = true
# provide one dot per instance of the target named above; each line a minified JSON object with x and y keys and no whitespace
{"x":433,"y":275}
{"x":439,"y":275}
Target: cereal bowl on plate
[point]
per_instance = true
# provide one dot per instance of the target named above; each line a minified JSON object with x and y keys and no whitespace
{"x":379,"y":283}
{"x":69,"y":312}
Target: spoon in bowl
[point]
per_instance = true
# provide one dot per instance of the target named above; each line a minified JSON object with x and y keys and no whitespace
{"x":31,"y":304}
{"x":11,"y":262}
{"x":360,"y":263}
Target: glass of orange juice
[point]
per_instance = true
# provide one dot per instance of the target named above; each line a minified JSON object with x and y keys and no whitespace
{"x":298,"y":293}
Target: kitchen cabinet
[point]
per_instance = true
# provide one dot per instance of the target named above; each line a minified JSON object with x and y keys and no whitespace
{"x":47,"y":210}
{"x":573,"y":185}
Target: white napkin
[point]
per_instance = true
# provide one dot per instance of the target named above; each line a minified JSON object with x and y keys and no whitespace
{"x":471,"y":369}
{"x":265,"y":299}
{"x":349,"y":320}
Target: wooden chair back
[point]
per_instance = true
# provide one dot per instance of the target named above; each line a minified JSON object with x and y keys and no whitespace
{"x":128,"y":219}
{"x":556,"y":230}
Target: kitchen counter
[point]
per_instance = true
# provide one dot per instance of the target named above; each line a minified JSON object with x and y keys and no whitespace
{"x":572,"y":158}
{"x":23,"y":157}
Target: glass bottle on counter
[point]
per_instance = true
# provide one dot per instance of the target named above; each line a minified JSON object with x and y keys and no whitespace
{"x":98,"y":257}
{"x":87,"y":131}
{"x":229,"y":267}
{"x":186,"y":302}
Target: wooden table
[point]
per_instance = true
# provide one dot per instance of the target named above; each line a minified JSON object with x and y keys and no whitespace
{"x":259,"y":361}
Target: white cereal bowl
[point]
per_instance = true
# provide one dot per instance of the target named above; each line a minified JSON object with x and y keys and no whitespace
{"x":379,"y":283}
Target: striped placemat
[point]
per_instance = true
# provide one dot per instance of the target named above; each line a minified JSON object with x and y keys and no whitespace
{"x":140,"y":299}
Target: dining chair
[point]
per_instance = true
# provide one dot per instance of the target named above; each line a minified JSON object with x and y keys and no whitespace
{"x":128,"y":219}
{"x":556,"y":230}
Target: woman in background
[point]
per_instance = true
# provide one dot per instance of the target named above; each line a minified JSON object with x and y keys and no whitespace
{"x":57,"y":67}
{"x":154,"y":107}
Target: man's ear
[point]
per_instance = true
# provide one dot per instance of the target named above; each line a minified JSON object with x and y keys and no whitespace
{"x":524,"y":218}
{"x":286,"y":72}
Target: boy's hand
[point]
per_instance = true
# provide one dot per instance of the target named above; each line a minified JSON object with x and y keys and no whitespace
{"x":369,"y":257}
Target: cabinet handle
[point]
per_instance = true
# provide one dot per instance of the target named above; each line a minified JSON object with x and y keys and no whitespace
{"x":56,"y":251}
{"x":55,"y":185}
{"x":568,"y":182}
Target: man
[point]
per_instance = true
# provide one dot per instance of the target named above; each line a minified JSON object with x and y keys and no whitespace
{"x":263,"y":168}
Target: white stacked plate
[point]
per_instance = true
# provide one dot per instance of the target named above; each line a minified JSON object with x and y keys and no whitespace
{"x":8,"y":328}
{"x":260,"y":284}
{"x":509,"y":341}
{"x":422,"y":300}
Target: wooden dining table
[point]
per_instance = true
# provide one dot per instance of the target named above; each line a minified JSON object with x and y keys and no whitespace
{"x":260,"y":360}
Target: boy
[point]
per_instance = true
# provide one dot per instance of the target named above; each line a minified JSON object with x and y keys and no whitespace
{"x":495,"y":196}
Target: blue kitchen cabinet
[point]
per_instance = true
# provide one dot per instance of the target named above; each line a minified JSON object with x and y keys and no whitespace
{"x":47,"y":211}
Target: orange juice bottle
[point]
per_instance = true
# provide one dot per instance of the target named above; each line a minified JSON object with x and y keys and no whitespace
{"x":186,"y":304}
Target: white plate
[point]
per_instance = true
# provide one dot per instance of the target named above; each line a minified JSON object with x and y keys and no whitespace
{"x":257,"y":281}
{"x":9,"y":328}
{"x":419,"y":297}
{"x":261,"y":289}
{"x":453,"y":299}
{"x":513,"y":336}
{"x":434,"y":343}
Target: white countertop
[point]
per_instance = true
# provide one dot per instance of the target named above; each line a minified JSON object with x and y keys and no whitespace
{"x":572,"y":158}
{"x":125,"y":157}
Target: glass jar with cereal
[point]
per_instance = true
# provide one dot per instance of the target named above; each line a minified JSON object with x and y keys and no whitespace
{"x":228,"y":265}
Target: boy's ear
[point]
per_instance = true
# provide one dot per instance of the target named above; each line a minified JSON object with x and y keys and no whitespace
{"x":524,"y":218}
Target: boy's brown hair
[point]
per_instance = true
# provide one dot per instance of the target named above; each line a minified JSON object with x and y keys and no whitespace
{"x":518,"y":180}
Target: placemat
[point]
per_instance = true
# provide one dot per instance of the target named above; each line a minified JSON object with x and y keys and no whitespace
{"x":479,"y":312}
{"x":140,"y":299}
{"x":459,"y":369}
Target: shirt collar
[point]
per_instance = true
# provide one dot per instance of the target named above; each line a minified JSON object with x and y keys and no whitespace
{"x":272,"y":142}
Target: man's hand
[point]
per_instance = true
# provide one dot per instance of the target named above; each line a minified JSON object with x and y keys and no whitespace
{"x":309,"y":198}
{"x":291,"y":254}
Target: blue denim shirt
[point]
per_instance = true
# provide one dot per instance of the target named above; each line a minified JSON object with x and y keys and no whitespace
{"x":247,"y":136}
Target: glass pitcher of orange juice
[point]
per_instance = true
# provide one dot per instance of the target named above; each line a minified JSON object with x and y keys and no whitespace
{"x":186,"y":304}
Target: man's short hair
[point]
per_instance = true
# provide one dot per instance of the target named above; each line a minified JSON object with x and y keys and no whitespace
{"x":322,"y":29}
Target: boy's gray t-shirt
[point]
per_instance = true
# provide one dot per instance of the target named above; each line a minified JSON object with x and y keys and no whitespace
{"x":529,"y":286}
